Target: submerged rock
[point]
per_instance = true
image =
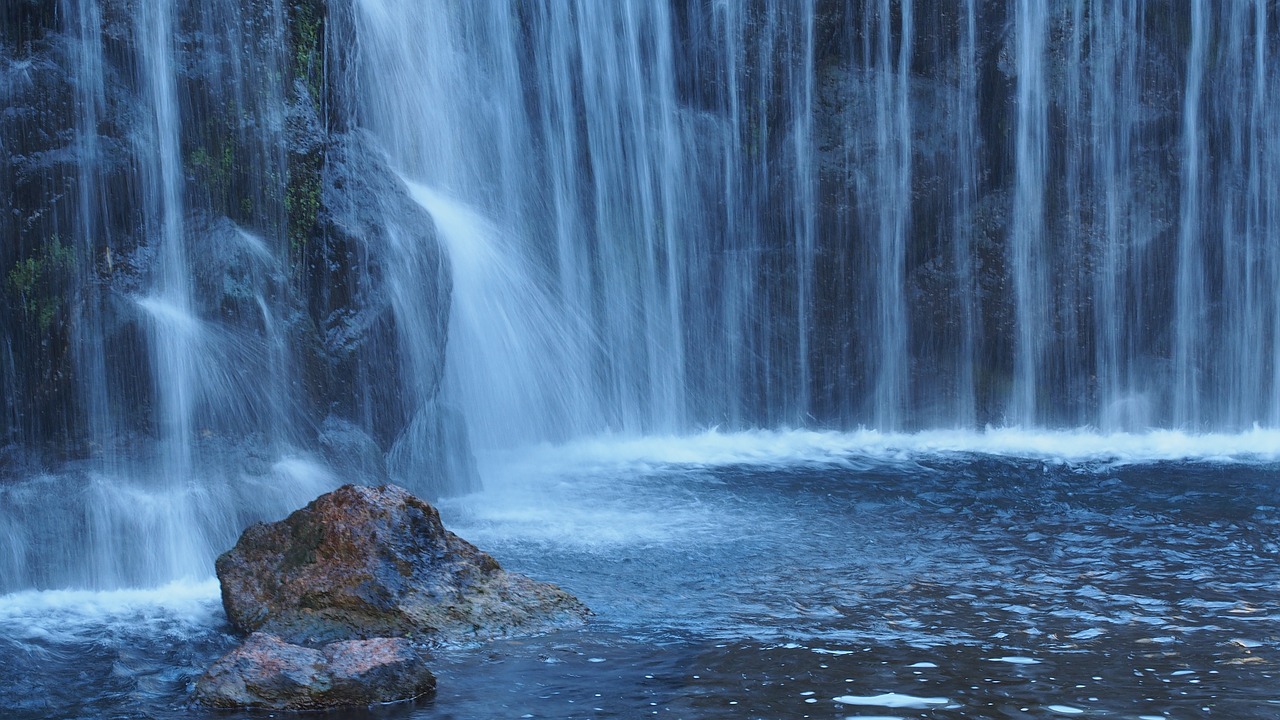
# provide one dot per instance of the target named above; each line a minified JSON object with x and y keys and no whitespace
{"x":268,"y":673}
{"x":365,"y":562}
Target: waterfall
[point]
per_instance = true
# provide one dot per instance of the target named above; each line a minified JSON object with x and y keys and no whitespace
{"x":963,"y":409}
{"x":1110,"y":126}
{"x":742,"y":217}
{"x":891,"y":186}
{"x":169,"y":363}
{"x":1190,"y":298}
{"x":803,"y":221}
{"x":1266,"y":186}
{"x":1029,"y":260}
{"x":277,"y":245}
{"x":175,"y":330}
{"x":90,"y":100}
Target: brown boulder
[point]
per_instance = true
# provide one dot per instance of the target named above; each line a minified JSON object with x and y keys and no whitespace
{"x":364,"y":562}
{"x":266,"y":672}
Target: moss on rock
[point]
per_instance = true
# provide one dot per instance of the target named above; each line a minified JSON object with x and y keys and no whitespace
{"x":37,"y":284}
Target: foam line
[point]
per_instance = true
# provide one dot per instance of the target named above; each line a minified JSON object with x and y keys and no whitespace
{"x":808,"y":447}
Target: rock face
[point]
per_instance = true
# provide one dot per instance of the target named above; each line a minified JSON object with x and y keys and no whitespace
{"x":285,"y":212}
{"x":364,"y":562}
{"x":268,"y":673}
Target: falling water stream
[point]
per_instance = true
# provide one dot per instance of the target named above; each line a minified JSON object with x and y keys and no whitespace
{"x":667,"y":199}
{"x":880,"y":358}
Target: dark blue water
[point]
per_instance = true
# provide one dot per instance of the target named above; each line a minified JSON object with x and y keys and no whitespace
{"x":909,"y":585}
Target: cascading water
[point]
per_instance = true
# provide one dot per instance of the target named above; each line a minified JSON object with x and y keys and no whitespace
{"x":810,"y":268}
{"x":90,"y":101}
{"x":163,"y":382}
{"x":175,"y":330}
{"x":497,"y":368}
{"x":981,"y":290}
{"x":1110,"y":124}
{"x":648,"y":218}
{"x":963,"y":408}
{"x":892,"y":92}
{"x":1027,"y":237}
{"x":1189,"y":295}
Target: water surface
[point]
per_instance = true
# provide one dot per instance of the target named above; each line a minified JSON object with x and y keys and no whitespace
{"x":796,"y":575}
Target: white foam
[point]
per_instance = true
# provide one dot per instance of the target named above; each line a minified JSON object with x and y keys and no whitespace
{"x":57,"y":616}
{"x":1016,"y":660}
{"x":809,"y":447}
{"x":1066,"y":709}
{"x":892,"y":700}
{"x":583,"y":515}
{"x":598,"y":491}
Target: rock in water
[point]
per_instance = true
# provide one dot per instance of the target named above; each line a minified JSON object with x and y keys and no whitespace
{"x":365,"y":562}
{"x":268,"y":673}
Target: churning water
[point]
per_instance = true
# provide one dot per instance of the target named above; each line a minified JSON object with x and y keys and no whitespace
{"x":799,"y":574}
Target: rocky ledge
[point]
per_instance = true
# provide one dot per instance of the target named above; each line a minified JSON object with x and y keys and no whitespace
{"x":339,"y":595}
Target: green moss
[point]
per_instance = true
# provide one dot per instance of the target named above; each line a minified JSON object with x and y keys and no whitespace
{"x":306,"y":40}
{"x":199,"y":158}
{"x":36,"y":283}
{"x":216,"y":163}
{"x":302,"y":201}
{"x":22,"y":277}
{"x":214,"y":167}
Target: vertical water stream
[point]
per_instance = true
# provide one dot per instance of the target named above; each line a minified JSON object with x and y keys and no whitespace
{"x":656,"y":217}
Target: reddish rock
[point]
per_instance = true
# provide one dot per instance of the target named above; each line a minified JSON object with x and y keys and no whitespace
{"x":365,"y":562}
{"x":266,"y":672}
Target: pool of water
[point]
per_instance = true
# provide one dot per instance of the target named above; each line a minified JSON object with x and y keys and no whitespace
{"x":735,"y":579}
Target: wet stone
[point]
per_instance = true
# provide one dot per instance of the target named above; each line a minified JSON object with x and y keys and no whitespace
{"x":269,"y":673}
{"x":365,"y":562}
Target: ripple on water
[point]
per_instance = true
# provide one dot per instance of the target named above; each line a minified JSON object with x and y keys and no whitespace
{"x":1016,"y":660}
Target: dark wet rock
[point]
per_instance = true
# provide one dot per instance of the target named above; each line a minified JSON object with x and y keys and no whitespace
{"x":268,"y":673}
{"x":363,"y":562}
{"x":350,"y":451}
{"x":364,"y":207}
{"x":236,"y":273}
{"x":286,"y":221}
